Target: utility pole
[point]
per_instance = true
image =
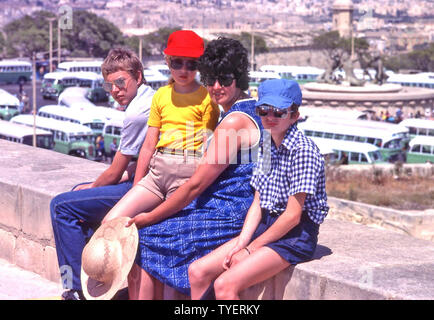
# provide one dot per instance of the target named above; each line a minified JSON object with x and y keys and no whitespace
{"x":50,"y":20}
{"x":58,"y":42}
{"x":34,"y":96}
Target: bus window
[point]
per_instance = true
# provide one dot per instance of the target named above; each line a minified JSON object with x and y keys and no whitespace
{"x":392,"y":144}
{"x":371,"y":140}
{"x":354,"y":156}
{"x":363,"y":158}
{"x":431,"y":132}
{"x":317,"y":134}
{"x":339,"y":136}
{"x":349,"y":137}
{"x":308,"y":133}
{"x":426,"y":149}
{"x":117,"y":131}
{"x":416,"y":148}
{"x":328,"y":135}
{"x":412,"y":130}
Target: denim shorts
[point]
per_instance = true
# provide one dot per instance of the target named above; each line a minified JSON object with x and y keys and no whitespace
{"x":298,"y":245}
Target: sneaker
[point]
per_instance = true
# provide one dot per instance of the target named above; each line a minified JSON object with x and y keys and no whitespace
{"x":73,"y":295}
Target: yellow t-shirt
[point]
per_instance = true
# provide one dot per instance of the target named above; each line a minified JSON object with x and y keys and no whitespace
{"x":183,"y":118}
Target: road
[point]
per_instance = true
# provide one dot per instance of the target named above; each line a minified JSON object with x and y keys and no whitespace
{"x":19,"y":284}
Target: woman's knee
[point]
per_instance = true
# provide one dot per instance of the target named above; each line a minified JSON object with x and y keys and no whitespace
{"x":197,"y":273}
{"x":225,"y":288}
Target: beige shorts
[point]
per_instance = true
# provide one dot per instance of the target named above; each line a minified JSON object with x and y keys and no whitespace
{"x":167,"y":172}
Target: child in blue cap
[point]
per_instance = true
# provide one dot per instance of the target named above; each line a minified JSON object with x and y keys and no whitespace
{"x":282,"y":224}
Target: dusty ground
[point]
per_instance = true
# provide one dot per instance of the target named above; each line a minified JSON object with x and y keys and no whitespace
{"x":403,"y":193}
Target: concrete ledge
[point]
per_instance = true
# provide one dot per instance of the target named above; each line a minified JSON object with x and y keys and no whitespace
{"x":351,"y":262}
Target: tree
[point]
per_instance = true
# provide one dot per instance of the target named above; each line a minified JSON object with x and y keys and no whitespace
{"x":156,"y":42}
{"x":90,"y":35}
{"x":420,"y":59}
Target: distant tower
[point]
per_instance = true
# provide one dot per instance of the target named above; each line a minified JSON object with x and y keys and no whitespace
{"x":343,"y":17}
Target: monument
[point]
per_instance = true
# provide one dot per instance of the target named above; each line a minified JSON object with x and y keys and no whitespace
{"x":364,"y":92}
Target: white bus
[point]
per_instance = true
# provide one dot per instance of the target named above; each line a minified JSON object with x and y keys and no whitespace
{"x":162,"y":68}
{"x":78,"y":66}
{"x":54,"y":83}
{"x":320,"y":112}
{"x":420,"y":80}
{"x":390,"y":138}
{"x":9,"y":105}
{"x":69,"y":138}
{"x":24,"y":134}
{"x":87,"y":118}
{"x":301,"y":74}
{"x":155,"y":79}
{"x":419,"y":127}
{"x":421,"y":150}
{"x":357,"y":152}
{"x":15,"y":71}
{"x":256,"y":77}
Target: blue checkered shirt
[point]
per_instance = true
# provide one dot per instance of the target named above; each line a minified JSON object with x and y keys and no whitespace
{"x":296,"y":166}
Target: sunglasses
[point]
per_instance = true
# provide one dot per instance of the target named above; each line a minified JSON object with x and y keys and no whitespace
{"x":264,"y":110}
{"x":177,"y":64}
{"x":225,"y":80}
{"x":119,"y":83}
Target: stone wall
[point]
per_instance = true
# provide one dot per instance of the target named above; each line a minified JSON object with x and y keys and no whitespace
{"x":351,"y":261}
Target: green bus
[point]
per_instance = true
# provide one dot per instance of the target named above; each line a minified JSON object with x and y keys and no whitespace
{"x":69,"y":138}
{"x":15,"y":71}
{"x":84,"y":117}
{"x":23,"y":134}
{"x":421,"y":150}
{"x":54,"y":83}
{"x":9,"y":105}
{"x":389,"y":138}
{"x":419,"y":127}
{"x":112,"y":129}
{"x":357,"y":152}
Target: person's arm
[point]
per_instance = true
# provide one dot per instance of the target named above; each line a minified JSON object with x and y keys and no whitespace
{"x":221,"y":152}
{"x":251,"y":223}
{"x":146,"y":153}
{"x":286,"y":221}
{"x":112,"y":175}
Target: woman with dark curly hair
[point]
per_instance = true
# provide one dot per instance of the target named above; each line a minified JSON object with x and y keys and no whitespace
{"x":210,"y":208}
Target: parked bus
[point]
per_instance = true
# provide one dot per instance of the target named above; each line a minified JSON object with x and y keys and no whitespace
{"x":79,"y":66}
{"x":256,"y":77}
{"x":69,"y":138}
{"x":419,"y":127}
{"x":162,"y":68}
{"x":23,"y":134}
{"x":319,"y":112}
{"x":54,"y":83}
{"x":9,"y":105}
{"x":155,"y":79}
{"x":112,"y":129}
{"x":301,"y":74}
{"x":357,"y":152}
{"x":15,"y":71}
{"x":421,"y":150}
{"x":420,"y":80}
{"x":389,"y":138}
{"x":87,"y":118}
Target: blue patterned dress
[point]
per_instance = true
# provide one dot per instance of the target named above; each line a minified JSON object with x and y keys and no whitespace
{"x":166,"y":249}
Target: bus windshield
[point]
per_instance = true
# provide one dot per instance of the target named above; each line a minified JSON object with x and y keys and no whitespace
{"x":80,"y":137}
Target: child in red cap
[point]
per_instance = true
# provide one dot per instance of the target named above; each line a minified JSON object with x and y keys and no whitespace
{"x":182,"y":115}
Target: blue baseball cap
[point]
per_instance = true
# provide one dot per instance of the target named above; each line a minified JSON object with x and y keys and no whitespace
{"x":279,"y":93}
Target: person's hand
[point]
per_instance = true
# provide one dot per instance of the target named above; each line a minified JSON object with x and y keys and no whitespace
{"x":83,"y":186}
{"x":140,"y":221}
{"x":234,"y":256}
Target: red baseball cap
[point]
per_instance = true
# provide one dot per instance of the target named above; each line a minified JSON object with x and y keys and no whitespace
{"x":184,"y":43}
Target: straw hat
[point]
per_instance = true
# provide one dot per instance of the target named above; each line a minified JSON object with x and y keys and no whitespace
{"x":107,"y":259}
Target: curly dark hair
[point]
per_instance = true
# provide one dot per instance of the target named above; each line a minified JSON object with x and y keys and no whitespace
{"x":225,"y":56}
